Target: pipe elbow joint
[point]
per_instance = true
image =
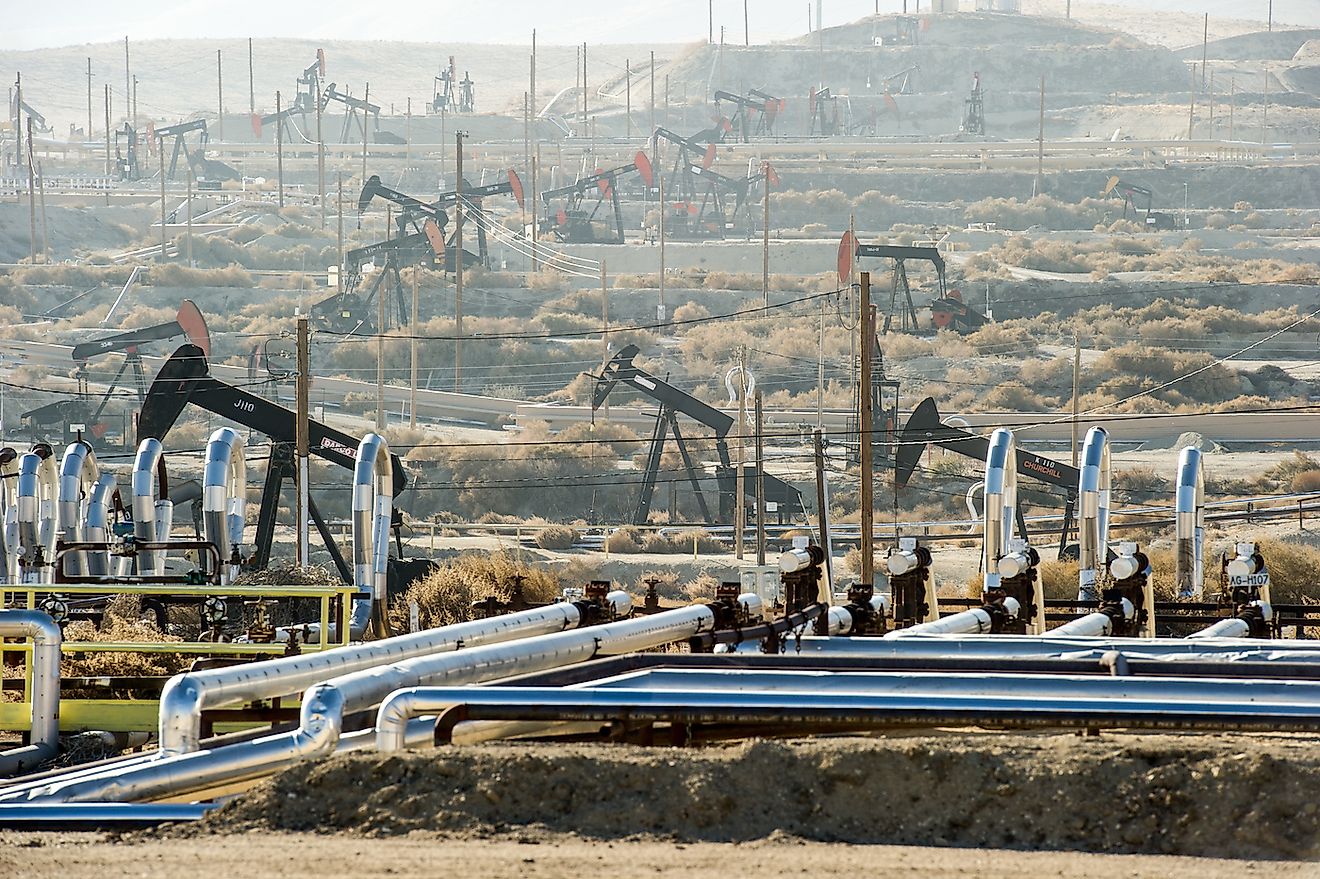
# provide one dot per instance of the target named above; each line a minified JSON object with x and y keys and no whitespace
{"x":321,"y":720}
{"x":180,"y":715}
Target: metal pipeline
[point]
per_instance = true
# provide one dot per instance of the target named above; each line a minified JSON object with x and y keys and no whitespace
{"x":153,"y":513}
{"x":1093,"y":513}
{"x":224,"y":498}
{"x":78,"y":474}
{"x":977,"y":621}
{"x":325,"y":705}
{"x":1008,"y":646}
{"x":185,"y":696}
{"x":38,"y":487}
{"x":373,"y":509}
{"x":45,"y":696}
{"x":8,"y":515}
{"x":97,"y":524}
{"x":1096,"y":625}
{"x":876,"y":709}
{"x":1003,"y":556}
{"x":1252,"y":620}
{"x":539,"y":653}
{"x":1189,"y":525}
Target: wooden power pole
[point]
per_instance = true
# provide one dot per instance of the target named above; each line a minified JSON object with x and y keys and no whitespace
{"x":864,"y":425}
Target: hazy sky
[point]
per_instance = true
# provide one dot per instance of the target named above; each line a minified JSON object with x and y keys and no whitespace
{"x":557,"y":21}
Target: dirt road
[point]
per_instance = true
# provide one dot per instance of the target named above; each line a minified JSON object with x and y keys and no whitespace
{"x":297,"y":855}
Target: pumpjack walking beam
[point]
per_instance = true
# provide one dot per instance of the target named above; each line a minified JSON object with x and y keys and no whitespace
{"x":620,"y":369}
{"x":185,"y":378}
{"x":924,"y":428}
{"x":575,"y":224}
{"x":900,"y":254}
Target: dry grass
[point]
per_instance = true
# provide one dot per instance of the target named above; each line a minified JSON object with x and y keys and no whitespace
{"x":446,"y":595}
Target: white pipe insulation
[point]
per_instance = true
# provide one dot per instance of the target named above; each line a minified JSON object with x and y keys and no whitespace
{"x":153,"y":513}
{"x":97,"y":523}
{"x":8,"y":515}
{"x":1002,"y":555}
{"x":1189,"y":526}
{"x":1093,"y":493}
{"x":373,"y":509}
{"x":224,"y":496}
{"x":976,"y":621}
{"x":78,"y":474}
{"x":325,"y":705}
{"x":45,"y":695}
{"x":38,"y":487}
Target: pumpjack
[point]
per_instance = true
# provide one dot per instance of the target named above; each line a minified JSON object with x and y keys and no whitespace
{"x":185,"y":378}
{"x":621,"y":369}
{"x":126,"y":155}
{"x":901,"y":315}
{"x":452,"y":95}
{"x":350,"y":311}
{"x":824,"y":107}
{"x":924,"y":428}
{"x":356,"y":111}
{"x":572,"y":222}
{"x":764,"y":107}
{"x":309,"y":86}
{"x":78,"y":417}
{"x":1131,"y":194}
{"x":199,"y":166}
{"x":973,"y":121}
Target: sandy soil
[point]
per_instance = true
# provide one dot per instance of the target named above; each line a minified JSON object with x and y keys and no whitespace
{"x":298,"y":855}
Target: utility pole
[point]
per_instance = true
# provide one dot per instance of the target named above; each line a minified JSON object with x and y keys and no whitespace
{"x":1077,"y":375}
{"x":366,"y":97}
{"x":710,"y":21}
{"x":339,"y":215}
{"x":627,"y":107}
{"x":252,"y":84}
{"x":380,"y":357}
{"x":458,"y":264}
{"x":302,"y":388}
{"x":188,"y":239}
{"x":220,"y":96}
{"x":1040,"y":146}
{"x":128,"y":80}
{"x":109,"y":155}
{"x":41,"y":193}
{"x":407,"y":130}
{"x":760,"y":479}
{"x":660,"y":309}
{"x":1232,"y":100}
{"x":747,"y":30}
{"x":412,"y":350}
{"x":605,"y":328}
{"x":536,"y":165}
{"x":1205,"y":47}
{"x":864,"y":425}
{"x":1265,"y":113}
{"x":279,"y":150}
{"x":1269,"y":17}
{"x":820,"y":370}
{"x":1191,"y":110}
{"x":765,"y":236}
{"x":651,"y":130}
{"x":160,"y":153}
{"x":320,"y":161}
{"x":32,"y":189}
{"x":740,"y":488}
{"x":89,"y":100}
{"x":135,"y":85}
{"x":18,"y":121}
{"x":585,"y":117}
{"x":823,"y":521}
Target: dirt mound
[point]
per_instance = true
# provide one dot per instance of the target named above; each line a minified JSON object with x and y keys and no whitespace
{"x":1280,"y":45}
{"x":1225,"y":796}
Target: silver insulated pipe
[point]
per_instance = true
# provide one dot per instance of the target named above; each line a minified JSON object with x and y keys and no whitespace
{"x":45,"y":665}
{"x":1189,"y":525}
{"x":152,"y":513}
{"x":97,"y":524}
{"x":38,"y":486}
{"x":1093,"y":513}
{"x":1002,"y":555}
{"x":78,"y":474}
{"x":373,"y":508}
{"x":8,"y":515}
{"x":224,"y":496}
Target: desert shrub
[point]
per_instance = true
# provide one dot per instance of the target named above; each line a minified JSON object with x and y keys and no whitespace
{"x":123,"y":621}
{"x":625,"y":541}
{"x":446,"y":595}
{"x":556,"y":537}
{"x":1306,"y":481}
{"x":1286,"y":471}
{"x":682,"y":541}
{"x":690,"y":311}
